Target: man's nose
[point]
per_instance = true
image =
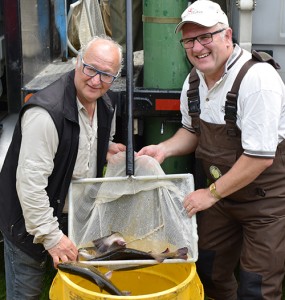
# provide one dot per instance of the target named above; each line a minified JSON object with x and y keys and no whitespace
{"x":197,"y":44}
{"x":96,"y":79}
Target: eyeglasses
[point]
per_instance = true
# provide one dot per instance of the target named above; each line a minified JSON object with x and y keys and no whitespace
{"x":203,"y":39}
{"x":91,"y":72}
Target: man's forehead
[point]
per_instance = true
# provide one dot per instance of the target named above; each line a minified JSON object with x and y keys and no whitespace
{"x":193,"y":28}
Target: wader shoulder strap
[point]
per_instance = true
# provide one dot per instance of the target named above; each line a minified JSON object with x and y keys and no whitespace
{"x":232,"y":95}
{"x":194,"y":100}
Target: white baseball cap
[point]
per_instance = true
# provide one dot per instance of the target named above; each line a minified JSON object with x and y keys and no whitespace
{"x":203,"y":12}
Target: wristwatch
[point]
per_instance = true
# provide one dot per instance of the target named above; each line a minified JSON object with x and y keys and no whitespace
{"x":214,"y":192}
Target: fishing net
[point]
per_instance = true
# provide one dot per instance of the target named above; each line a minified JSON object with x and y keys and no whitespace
{"x":84,"y":22}
{"x":147,"y":208}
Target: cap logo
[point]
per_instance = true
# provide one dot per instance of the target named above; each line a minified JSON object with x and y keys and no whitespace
{"x":193,"y":11}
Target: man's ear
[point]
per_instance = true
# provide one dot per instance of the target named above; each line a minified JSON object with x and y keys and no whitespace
{"x":229,"y":34}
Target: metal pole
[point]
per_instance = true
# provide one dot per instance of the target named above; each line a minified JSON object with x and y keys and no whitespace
{"x":129,"y":88}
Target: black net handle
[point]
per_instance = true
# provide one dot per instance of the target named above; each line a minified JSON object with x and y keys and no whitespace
{"x":130,"y":89}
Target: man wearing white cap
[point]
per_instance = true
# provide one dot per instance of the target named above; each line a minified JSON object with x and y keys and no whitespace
{"x":242,"y":213}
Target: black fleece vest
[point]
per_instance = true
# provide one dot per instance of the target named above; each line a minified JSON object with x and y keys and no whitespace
{"x":59,"y":99}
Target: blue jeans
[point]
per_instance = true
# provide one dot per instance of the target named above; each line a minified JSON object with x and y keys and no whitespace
{"x":24,"y":275}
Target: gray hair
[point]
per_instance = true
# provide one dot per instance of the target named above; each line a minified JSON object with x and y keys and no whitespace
{"x":105,"y":37}
{"x":222,"y":26}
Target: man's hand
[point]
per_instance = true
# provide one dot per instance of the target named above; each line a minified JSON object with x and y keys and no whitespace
{"x":114,"y":149}
{"x":198,"y":200}
{"x":64,"y":251}
{"x":155,"y":151}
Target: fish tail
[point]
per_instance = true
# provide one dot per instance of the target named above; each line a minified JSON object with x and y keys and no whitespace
{"x":182,"y":253}
{"x":158,"y":257}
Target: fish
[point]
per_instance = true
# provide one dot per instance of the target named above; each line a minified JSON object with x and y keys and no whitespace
{"x":181,"y":253}
{"x":109,"y":243}
{"x":102,"y":245}
{"x":114,"y":247}
{"x":92,"y":274}
{"x":86,"y":253}
{"x":134,"y":254}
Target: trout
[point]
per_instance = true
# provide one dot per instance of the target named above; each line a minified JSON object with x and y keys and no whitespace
{"x":134,"y":254}
{"x":102,"y":245}
{"x":92,"y":274}
{"x":110,"y":242}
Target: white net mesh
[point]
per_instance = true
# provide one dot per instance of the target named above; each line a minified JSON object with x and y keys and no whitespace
{"x":146,"y":208}
{"x":84,"y":22}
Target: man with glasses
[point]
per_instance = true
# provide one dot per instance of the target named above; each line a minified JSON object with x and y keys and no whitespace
{"x":64,"y":132}
{"x":241,"y":217}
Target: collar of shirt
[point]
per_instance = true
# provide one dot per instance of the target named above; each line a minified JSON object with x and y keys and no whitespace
{"x":83,"y":112}
{"x":236,"y":54}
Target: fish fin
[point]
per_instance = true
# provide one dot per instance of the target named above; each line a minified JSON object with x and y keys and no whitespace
{"x":182,"y":253}
{"x":158,"y":257}
{"x":115,"y":232}
{"x":102,"y":246}
{"x":99,"y":245}
{"x":166,"y":250}
{"x":118,"y":245}
{"x":126,"y":293}
{"x":109,"y":274}
{"x":83,"y":254}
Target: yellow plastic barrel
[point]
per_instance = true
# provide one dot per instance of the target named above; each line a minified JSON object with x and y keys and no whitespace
{"x":159,"y":282}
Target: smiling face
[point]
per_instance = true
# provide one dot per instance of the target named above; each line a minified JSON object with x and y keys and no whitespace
{"x":104,"y":56}
{"x":211,"y":58}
